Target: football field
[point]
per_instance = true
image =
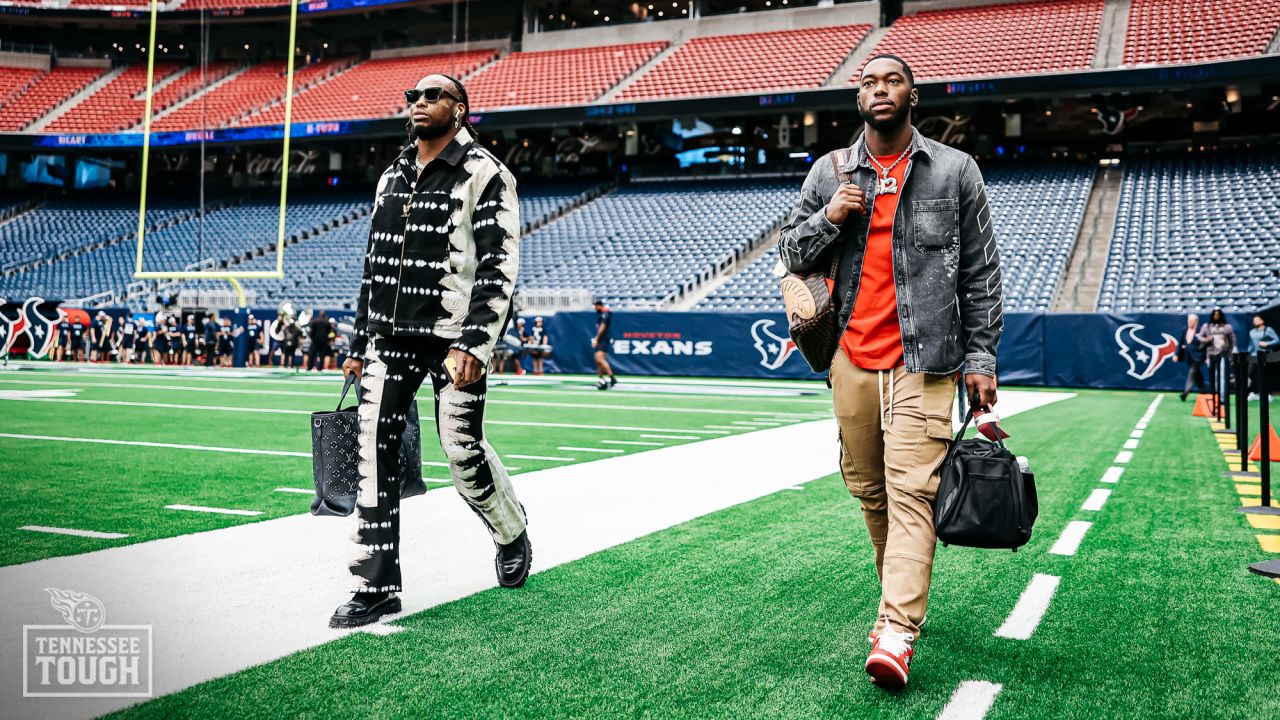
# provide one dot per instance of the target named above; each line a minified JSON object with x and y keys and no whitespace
{"x":695,"y":555}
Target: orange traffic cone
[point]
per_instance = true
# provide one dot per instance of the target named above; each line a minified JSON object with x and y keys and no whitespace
{"x":1204,"y":406}
{"x":1255,"y":449}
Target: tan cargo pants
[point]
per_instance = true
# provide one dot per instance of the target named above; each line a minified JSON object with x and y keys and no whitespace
{"x":894,"y":427}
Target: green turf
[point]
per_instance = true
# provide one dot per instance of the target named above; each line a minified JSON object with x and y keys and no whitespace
{"x":124,"y":489}
{"x":761,"y":610}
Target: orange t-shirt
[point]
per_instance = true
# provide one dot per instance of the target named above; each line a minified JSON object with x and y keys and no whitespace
{"x":873,"y":338}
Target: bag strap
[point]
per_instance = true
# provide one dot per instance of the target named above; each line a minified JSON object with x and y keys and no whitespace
{"x":838,"y":160}
{"x":352,"y":379}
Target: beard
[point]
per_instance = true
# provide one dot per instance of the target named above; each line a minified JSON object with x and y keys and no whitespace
{"x":899,"y":118}
{"x":426,"y":132}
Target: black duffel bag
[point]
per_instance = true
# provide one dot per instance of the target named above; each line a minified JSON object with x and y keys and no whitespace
{"x":335,"y":456}
{"x":985,"y":499}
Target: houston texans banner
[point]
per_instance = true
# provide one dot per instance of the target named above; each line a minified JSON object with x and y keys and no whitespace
{"x":1098,"y":350}
{"x":29,"y":328}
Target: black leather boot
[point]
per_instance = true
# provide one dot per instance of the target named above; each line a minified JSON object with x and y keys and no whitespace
{"x":365,"y":608}
{"x":513,"y":560}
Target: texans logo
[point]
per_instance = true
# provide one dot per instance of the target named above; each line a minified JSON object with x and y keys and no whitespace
{"x":40,"y":317}
{"x":1148,"y":356}
{"x":774,"y":349}
{"x":11,"y":323}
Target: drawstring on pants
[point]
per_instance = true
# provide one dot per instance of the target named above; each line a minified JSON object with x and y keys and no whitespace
{"x":880,"y":392}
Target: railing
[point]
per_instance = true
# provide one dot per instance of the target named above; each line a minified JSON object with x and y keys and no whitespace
{"x":546,"y":301}
{"x":31,"y":48}
{"x":220,"y":299}
{"x":102,"y":299}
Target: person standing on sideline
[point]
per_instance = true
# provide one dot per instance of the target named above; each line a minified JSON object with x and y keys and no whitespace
{"x":539,"y":344}
{"x":252,"y":339}
{"x":210,"y":338}
{"x":318,"y":331}
{"x":189,"y":341}
{"x":448,"y":207}
{"x":1261,"y":339}
{"x":142,"y":343}
{"x":600,"y":346}
{"x":1191,"y":352}
{"x":1220,"y":340}
{"x":126,"y":338}
{"x":918,"y":295}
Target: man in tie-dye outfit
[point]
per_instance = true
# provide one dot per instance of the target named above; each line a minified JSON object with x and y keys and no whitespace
{"x":439,"y":272}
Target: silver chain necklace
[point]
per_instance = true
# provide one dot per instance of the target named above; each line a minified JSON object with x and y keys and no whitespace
{"x":886,"y":184}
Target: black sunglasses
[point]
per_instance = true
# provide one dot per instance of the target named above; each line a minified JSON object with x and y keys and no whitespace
{"x":432,"y":94}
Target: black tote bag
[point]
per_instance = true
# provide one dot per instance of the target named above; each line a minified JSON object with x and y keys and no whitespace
{"x":985,"y":500}
{"x":335,"y":456}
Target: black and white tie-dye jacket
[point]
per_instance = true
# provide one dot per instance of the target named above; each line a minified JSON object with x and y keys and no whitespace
{"x":443,"y":250}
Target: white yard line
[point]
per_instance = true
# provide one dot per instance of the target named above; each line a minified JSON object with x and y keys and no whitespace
{"x":633,"y":442}
{"x":1123,"y":457}
{"x":1131,"y":444}
{"x":972,"y":700}
{"x":1137,"y":433}
{"x":1030,"y":609}
{"x":1142,"y":425}
{"x":723,"y":427}
{"x":541,"y":457}
{"x":290,"y":411}
{"x":1069,"y":541}
{"x":1096,"y":500}
{"x":1112,"y":475}
{"x":142,"y":443}
{"x":77,"y":533}
{"x":609,"y":451}
{"x":294,"y":567}
{"x":668,"y":437}
{"x":214,"y":510}
{"x":300,"y":491}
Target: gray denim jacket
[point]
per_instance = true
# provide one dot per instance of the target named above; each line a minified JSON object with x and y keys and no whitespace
{"x":945,"y":261}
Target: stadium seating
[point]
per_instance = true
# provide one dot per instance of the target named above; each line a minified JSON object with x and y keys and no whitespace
{"x":371,"y":89}
{"x":636,"y":246}
{"x":229,"y":232}
{"x":251,"y":90}
{"x":13,"y":80}
{"x":752,"y":62}
{"x":556,"y":77}
{"x":1183,"y":31}
{"x":1195,"y":232}
{"x":115,"y":106}
{"x":1017,"y":39}
{"x":45,"y":93}
{"x":1037,"y":211}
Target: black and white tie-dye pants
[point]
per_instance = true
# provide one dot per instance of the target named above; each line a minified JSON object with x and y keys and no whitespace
{"x":394,"y":369}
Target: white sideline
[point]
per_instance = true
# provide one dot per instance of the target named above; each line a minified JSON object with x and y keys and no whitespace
{"x":77,"y":533}
{"x":1030,"y":608}
{"x":604,"y":451}
{"x":276,"y":581}
{"x":1096,"y":500}
{"x":1112,"y":475}
{"x":972,"y":700}
{"x":1131,"y":444}
{"x":300,"y":491}
{"x":1123,"y":457}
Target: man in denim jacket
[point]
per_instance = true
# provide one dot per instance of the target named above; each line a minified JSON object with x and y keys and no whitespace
{"x":917,"y":287}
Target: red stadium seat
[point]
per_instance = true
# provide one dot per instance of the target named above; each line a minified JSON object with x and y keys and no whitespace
{"x":1016,"y":39}
{"x":371,"y":89}
{"x":556,"y":77}
{"x":44,"y":93}
{"x":1185,"y":31}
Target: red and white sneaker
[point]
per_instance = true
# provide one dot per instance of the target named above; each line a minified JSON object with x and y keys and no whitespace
{"x":889,"y":663}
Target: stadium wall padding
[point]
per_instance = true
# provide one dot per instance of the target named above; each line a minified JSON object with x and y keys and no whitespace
{"x":1087,"y":350}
